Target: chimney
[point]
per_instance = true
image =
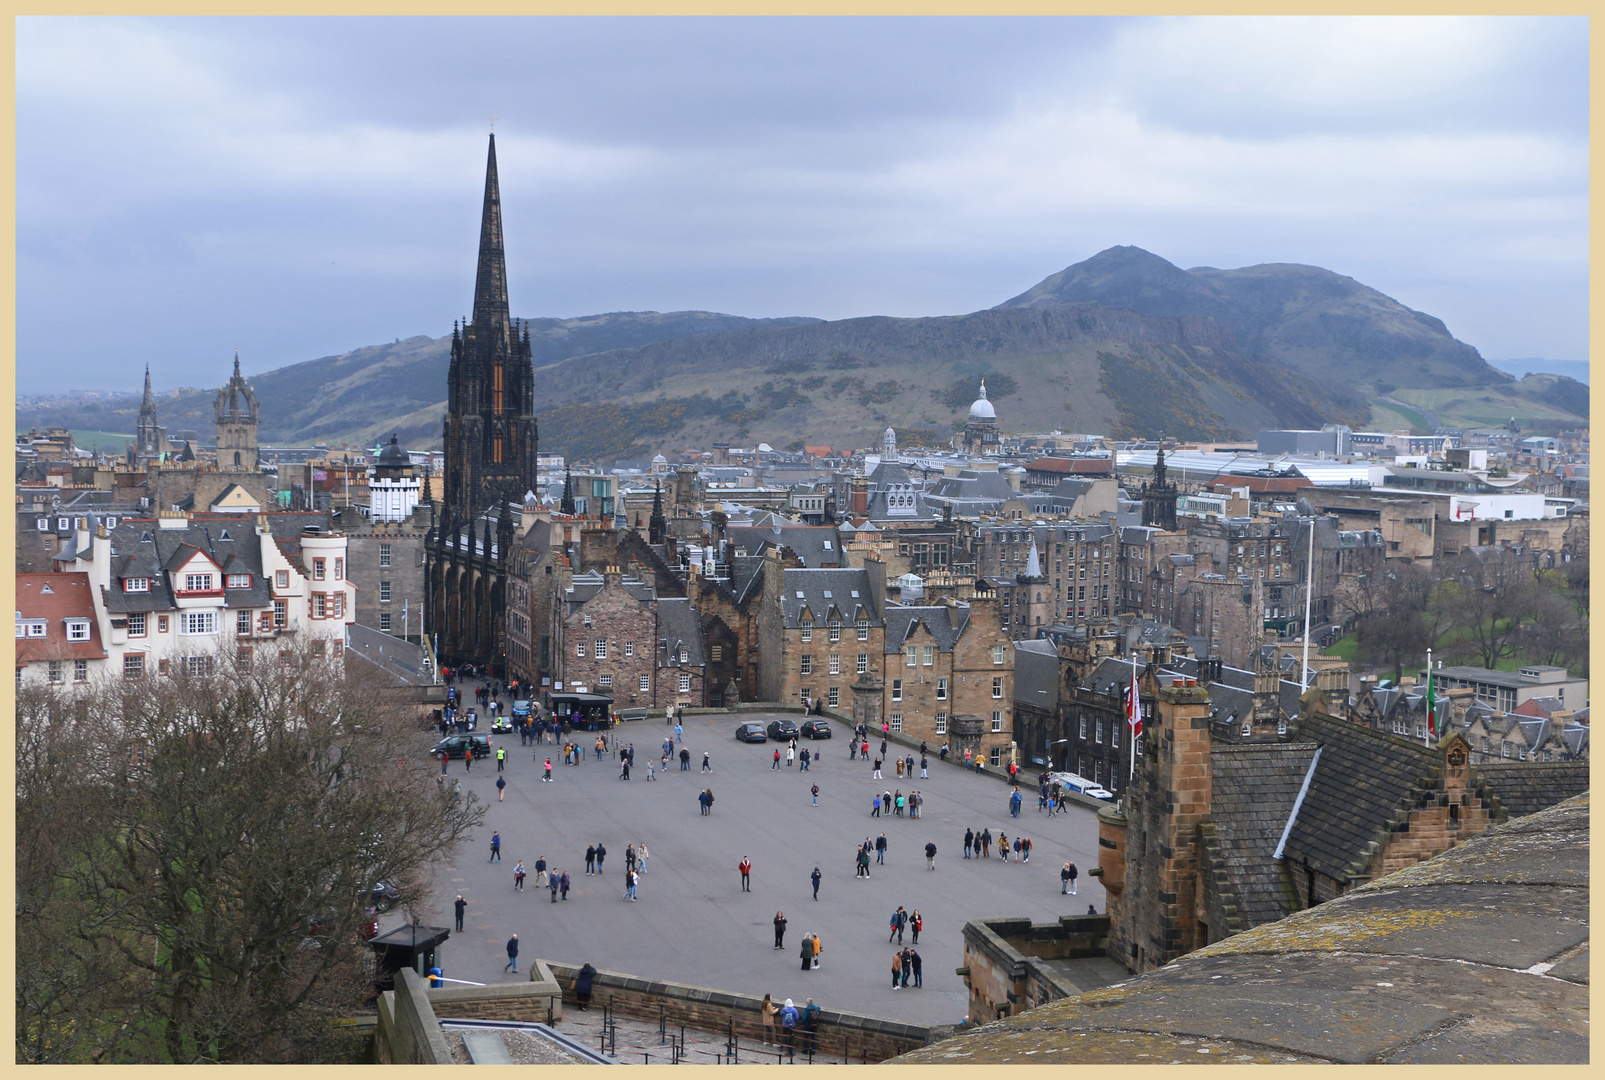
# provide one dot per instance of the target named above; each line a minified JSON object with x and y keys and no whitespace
{"x":875,"y":570}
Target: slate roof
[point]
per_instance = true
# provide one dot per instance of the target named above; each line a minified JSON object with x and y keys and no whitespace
{"x":141,"y":548}
{"x":888,"y":473}
{"x":1366,"y":780}
{"x":679,"y":627}
{"x":1255,"y":786}
{"x":816,"y":545}
{"x":587,"y":585}
{"x":398,"y":660}
{"x":1526,"y":787}
{"x":746,"y":576}
{"x":1036,"y":673}
{"x":819,"y":591}
{"x":944,"y":623}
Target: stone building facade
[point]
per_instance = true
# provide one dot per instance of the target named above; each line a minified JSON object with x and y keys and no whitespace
{"x":819,"y":631}
{"x":947,"y":661}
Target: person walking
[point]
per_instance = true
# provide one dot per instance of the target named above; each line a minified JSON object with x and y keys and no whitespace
{"x":553,"y":882}
{"x":818,"y":948}
{"x":1025,"y":849}
{"x":745,"y":866}
{"x":780,"y":929}
{"x":791,"y":753}
{"x":495,"y":847}
{"x":685,"y":759}
{"x":814,"y":877}
{"x":624,"y":770}
{"x":1014,"y":803}
{"x":930,"y":855}
{"x":540,"y":872}
{"x":630,"y":880}
{"x":877,"y":773}
{"x":518,"y":876}
{"x":807,"y":952}
{"x":590,"y":860}
{"x":880,"y":849}
{"x":629,"y":857}
{"x":1064,"y":880}
{"x":1003,"y":846}
{"x":899,"y":920}
{"x":916,"y":923}
{"x":679,"y":735}
{"x":774,"y":763}
{"x":461,"y":906}
{"x":897,"y":968}
{"x":969,"y":841}
{"x":512,"y":955}
{"x":641,"y":856}
{"x":803,"y":760}
{"x":986,"y":843}
{"x":501,"y":787}
{"x":1074,"y":873}
{"x":863,"y":749}
{"x":707,"y":765}
{"x":563,"y":883}
{"x":1019,"y":848}
{"x":925,"y":766}
{"x":875,"y":806}
{"x":468,"y":758}
{"x":914,"y":960}
{"x":767,"y":1008}
{"x":444,"y":758}
{"x":601,"y":853}
{"x":815,"y":791}
{"x":548,"y":776}
{"x":501,"y":757}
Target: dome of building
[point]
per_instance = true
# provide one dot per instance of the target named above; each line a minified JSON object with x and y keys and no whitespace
{"x":393,"y":454}
{"x":982,"y":409}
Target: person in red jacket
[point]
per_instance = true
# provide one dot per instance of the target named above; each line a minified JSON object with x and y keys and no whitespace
{"x":745,"y":866}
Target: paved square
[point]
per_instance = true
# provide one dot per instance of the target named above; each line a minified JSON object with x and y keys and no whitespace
{"x":693,"y":924}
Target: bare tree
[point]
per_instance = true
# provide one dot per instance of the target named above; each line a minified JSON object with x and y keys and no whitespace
{"x":1487,"y":593}
{"x":181,"y":838}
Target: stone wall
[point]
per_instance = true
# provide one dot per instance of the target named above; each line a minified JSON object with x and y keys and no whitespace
{"x":408,"y":1032}
{"x":864,"y":1038}
{"x":1002,"y":967}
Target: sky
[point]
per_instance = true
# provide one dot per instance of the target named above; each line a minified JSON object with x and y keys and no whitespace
{"x":297,"y":188}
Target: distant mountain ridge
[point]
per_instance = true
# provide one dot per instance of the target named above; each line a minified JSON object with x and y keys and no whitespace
{"x":1124,"y":343}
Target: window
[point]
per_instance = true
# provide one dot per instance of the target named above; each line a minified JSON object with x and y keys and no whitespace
{"x":579,"y":650}
{"x":243,"y":658}
{"x":320,"y":605}
{"x":685,"y":656}
{"x":601,"y":648}
{"x":646,"y":683}
{"x":317,"y":649}
{"x":805,"y":694}
{"x":339,"y":569}
{"x":928,"y":655}
{"x":56,"y":670}
{"x":197,"y":582}
{"x":941,"y":689}
{"x":1114,"y":733}
{"x":835,"y":628}
{"x":1097,"y":731}
{"x":833,"y":696}
{"x":715,"y":652}
{"x":997,"y":757}
{"x":587,"y":620}
{"x":136,"y":584}
{"x":629,"y":649}
{"x":194,"y":623}
{"x":80,"y":671}
{"x":77,"y":629}
{"x":33,"y":629}
{"x":997,"y":686}
{"x":807,"y":630}
{"x":281,"y":579}
{"x":941,"y":723}
{"x":997,"y":723}
{"x":384,"y":621}
{"x":897,"y":689}
{"x":136,"y":624}
{"x":835,"y":664}
{"x":911,"y":656}
{"x":238,"y":581}
{"x":863,"y":629}
{"x":605,"y":681}
{"x":384,"y":592}
{"x":280,"y":614}
{"x":807,"y":665}
{"x":242,"y":623}
{"x":384,"y":554}
{"x":863,"y":662}
{"x":897,"y":721}
{"x":685,"y":683}
{"x":133,"y":665}
{"x":198,"y":666}
{"x":1248,"y":728}
{"x":997,"y":654}
{"x":317,"y":569}
{"x":1083,"y":731}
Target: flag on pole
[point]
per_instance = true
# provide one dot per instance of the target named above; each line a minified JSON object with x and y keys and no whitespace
{"x":1432,"y":705}
{"x":1134,"y":706}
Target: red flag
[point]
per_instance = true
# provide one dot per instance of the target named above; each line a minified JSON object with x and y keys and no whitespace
{"x":1134,"y":706}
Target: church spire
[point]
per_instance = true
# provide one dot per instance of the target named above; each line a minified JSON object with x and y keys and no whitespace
{"x":490,"y":286}
{"x":149,"y":404}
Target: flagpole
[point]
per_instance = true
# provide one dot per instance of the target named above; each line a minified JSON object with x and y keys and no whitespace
{"x":1309,"y":589}
{"x":1427,"y":739}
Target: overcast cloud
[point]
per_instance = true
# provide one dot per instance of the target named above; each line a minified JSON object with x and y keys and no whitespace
{"x":301,"y":187}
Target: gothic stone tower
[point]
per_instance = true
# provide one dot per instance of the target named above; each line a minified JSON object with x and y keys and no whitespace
{"x":236,"y":425}
{"x":490,"y":434}
{"x":150,"y":435}
{"x":1159,"y":498}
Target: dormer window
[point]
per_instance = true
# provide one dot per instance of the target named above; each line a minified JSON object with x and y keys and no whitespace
{"x":32,"y":628}
{"x":239,"y":581}
{"x":77,"y":629}
{"x":136,"y":584}
{"x":197,"y":582}
{"x":808,"y":630}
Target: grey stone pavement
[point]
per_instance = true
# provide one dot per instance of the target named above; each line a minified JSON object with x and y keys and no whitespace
{"x":693,"y":924}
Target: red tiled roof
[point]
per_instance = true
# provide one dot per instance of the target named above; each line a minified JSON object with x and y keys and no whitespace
{"x":56,"y":598}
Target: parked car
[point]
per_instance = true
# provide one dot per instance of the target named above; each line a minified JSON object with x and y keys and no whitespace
{"x":782,"y":730}
{"x":454,"y":745}
{"x":815,"y":729}
{"x":383,"y":896}
{"x":751,"y":732}
{"x":502,"y":725}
